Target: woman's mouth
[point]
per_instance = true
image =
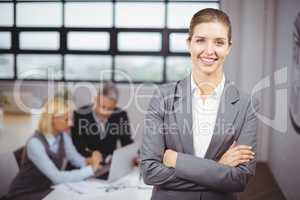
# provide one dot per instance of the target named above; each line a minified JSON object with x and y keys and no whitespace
{"x":207,"y":61}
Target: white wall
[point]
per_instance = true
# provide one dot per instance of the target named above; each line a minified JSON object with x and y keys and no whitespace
{"x":284,"y":149}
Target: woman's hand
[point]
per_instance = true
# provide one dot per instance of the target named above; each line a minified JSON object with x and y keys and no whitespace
{"x":170,"y":158}
{"x":136,"y":161}
{"x":237,"y":154}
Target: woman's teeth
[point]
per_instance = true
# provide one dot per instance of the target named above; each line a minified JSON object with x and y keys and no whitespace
{"x":207,"y":61}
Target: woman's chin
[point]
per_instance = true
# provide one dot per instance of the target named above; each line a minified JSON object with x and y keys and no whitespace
{"x":208,"y":70}
{"x":67,"y":129}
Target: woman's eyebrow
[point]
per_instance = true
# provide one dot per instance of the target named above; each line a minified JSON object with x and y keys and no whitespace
{"x":217,"y":38}
{"x":220,"y":38}
{"x":198,"y":36}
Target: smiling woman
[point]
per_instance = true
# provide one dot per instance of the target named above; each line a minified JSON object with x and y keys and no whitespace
{"x":209,"y":43}
{"x":200,"y":132}
{"x":209,"y":47}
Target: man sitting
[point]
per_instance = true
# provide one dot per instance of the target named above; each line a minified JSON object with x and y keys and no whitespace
{"x":99,"y":126}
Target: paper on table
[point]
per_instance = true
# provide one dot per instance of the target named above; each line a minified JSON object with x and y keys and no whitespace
{"x":84,"y":187}
{"x":96,"y":188}
{"x":61,"y":192}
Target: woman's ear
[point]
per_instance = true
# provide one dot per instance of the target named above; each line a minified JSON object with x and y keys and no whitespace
{"x":229,"y":47}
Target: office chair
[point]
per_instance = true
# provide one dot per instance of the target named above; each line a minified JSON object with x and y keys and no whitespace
{"x":8,"y":170}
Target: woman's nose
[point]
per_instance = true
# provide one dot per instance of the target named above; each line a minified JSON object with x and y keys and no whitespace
{"x":209,"y":49}
{"x":70,"y":122}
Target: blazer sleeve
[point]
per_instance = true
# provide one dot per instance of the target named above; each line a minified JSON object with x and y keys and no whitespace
{"x":217,"y":176}
{"x":152,"y":151}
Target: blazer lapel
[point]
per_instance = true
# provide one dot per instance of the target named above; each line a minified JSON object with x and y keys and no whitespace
{"x":227,"y":113}
{"x":183,"y":114}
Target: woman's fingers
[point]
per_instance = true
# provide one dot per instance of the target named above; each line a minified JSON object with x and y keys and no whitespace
{"x":241,"y":158}
{"x":237,"y":154}
{"x":242,"y":161}
{"x":232,"y":145}
{"x":242,"y":147}
{"x":243,"y":152}
{"x":238,"y":162}
{"x":236,"y":148}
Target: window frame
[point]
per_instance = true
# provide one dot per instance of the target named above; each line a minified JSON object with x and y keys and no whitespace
{"x":113,"y":32}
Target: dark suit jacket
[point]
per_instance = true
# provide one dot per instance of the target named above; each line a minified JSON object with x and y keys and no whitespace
{"x":87,"y":134}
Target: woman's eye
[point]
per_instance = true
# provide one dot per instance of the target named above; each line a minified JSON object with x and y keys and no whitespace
{"x":219,"y":43}
{"x":200,"y":40}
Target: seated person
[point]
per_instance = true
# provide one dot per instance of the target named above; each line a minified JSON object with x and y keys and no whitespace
{"x":46,"y":153}
{"x":99,"y":126}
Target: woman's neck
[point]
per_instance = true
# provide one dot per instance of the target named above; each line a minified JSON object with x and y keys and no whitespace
{"x":56,"y":132}
{"x":207,"y":82}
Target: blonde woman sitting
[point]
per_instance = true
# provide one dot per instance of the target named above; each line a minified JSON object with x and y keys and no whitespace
{"x":46,"y":154}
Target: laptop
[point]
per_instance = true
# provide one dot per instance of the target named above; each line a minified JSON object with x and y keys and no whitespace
{"x":121,"y":164}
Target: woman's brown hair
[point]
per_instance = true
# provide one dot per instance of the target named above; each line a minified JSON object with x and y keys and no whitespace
{"x":210,"y":15}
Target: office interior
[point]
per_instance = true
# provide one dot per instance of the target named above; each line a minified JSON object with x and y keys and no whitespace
{"x":49,"y":47}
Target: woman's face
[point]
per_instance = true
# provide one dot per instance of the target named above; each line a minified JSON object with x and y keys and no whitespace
{"x":62,"y":123}
{"x":209,"y":47}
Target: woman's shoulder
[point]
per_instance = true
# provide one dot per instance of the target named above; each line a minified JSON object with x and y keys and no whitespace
{"x":246,"y":98}
{"x":165,"y":89}
{"x":66,"y":136}
{"x":37,"y":141}
{"x":34,"y":143}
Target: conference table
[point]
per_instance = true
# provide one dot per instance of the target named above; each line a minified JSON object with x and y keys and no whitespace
{"x":129,"y":187}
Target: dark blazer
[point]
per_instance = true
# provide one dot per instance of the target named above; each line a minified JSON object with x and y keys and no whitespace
{"x":168,"y":125}
{"x":87,"y":134}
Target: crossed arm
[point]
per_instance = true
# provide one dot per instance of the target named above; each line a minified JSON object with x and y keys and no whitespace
{"x":191,"y":173}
